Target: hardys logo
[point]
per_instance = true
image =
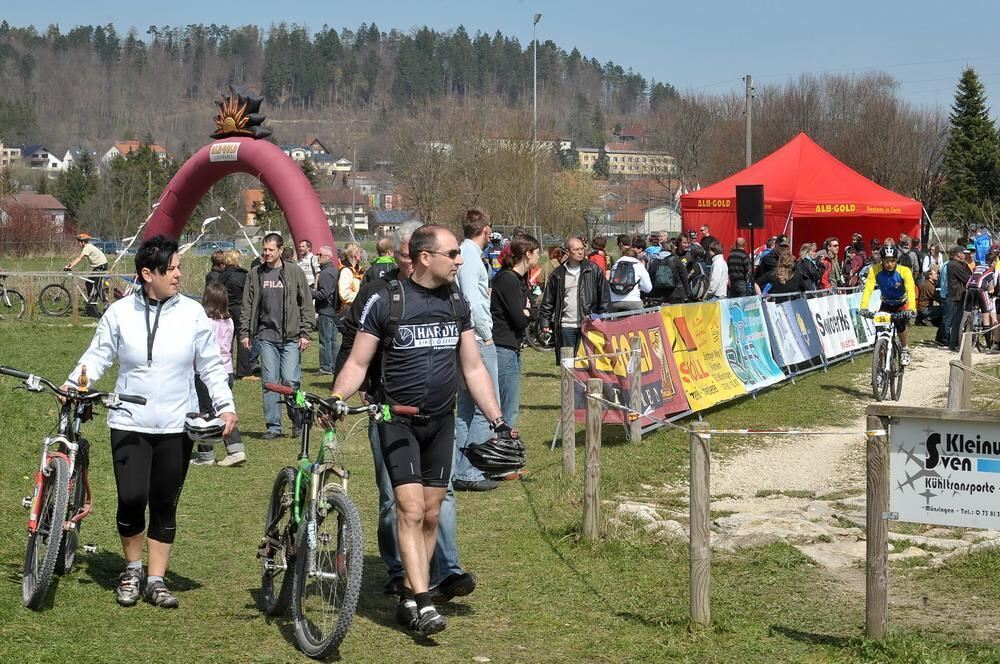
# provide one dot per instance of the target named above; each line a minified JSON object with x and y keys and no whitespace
{"x":835,"y":324}
{"x":428,"y":335}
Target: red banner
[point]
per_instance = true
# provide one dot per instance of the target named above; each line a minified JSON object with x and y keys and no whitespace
{"x":662,"y":394}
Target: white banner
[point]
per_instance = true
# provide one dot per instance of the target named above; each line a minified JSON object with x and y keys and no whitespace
{"x":945,"y":472}
{"x":834,"y":324}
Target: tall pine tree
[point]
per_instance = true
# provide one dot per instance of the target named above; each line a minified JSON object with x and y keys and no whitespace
{"x":972,"y":160}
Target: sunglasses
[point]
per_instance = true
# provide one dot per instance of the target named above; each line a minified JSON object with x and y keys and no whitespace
{"x":452,"y":254}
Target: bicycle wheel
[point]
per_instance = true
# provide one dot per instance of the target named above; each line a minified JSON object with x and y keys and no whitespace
{"x":880,"y":382}
{"x":896,"y":372}
{"x":11,"y":304}
{"x":539,"y":340}
{"x":43,"y":544}
{"x":71,"y":538}
{"x":277,"y":548}
{"x":54,"y":300}
{"x":327,"y":571}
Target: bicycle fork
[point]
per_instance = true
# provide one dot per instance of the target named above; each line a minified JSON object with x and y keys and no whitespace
{"x":314,"y":538}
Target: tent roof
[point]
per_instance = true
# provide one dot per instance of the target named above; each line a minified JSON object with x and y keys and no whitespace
{"x":813,"y":182}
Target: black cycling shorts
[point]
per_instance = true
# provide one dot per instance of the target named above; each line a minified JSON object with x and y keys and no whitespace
{"x":418,"y":450}
{"x":900,"y":323}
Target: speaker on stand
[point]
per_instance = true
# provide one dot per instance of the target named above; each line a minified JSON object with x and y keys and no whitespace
{"x":750,"y":213}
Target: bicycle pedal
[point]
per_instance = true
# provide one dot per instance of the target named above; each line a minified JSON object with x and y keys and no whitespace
{"x":90,"y":548}
{"x":26,"y":502}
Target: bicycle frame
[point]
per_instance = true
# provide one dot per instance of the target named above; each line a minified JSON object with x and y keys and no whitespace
{"x":885,"y":328}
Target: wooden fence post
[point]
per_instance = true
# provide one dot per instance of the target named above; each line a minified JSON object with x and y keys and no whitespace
{"x":592,"y":463}
{"x":568,"y":410}
{"x":700,"y":542}
{"x":635,"y":391}
{"x":74,"y":300}
{"x":29,"y":296}
{"x":959,"y":378}
{"x":877,"y":535}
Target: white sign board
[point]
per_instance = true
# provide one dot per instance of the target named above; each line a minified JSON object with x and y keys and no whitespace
{"x":945,"y":472}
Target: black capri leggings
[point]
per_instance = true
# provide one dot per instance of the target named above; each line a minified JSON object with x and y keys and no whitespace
{"x":149,"y":470}
{"x":418,"y":450}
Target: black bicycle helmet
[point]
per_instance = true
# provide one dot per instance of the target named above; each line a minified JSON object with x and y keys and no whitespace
{"x":204,"y":427}
{"x":888,"y":251}
{"x":497,"y":455}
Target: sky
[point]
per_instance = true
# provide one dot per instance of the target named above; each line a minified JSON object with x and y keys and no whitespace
{"x":696,"y":46}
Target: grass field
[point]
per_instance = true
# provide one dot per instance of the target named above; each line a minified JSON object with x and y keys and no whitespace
{"x":544,"y":596}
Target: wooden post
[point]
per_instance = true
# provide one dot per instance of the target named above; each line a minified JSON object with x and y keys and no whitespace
{"x":959,"y":380}
{"x":568,"y":411}
{"x":965,"y":353}
{"x":877,"y":544}
{"x":29,"y":296}
{"x":592,"y":463}
{"x":635,"y":391}
{"x":74,"y":300}
{"x":699,"y":543}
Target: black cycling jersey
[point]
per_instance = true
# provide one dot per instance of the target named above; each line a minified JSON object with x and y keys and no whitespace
{"x":420,"y":362}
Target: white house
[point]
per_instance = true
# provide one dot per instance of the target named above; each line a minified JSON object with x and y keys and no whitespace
{"x":41,"y":158}
{"x":9,"y":156}
{"x":123,"y":149}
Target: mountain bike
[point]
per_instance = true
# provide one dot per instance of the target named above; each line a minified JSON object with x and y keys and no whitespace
{"x":313,"y":529}
{"x":887,"y":366}
{"x":538,"y":338}
{"x":11,"y":301}
{"x":972,"y":321}
{"x":56,"y":300}
{"x":62,"y":497}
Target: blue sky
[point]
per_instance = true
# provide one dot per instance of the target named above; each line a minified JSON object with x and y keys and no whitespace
{"x":696,"y":45}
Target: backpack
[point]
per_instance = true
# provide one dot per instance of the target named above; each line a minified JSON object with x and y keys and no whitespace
{"x":623,"y":278}
{"x":663,"y":275}
{"x":911,"y":260}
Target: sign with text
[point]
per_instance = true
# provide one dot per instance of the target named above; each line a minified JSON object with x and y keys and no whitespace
{"x":662,"y":395}
{"x":834,"y":324}
{"x":744,"y":337}
{"x":864,"y":328}
{"x":945,"y":472}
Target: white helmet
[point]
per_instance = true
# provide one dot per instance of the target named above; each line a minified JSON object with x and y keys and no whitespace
{"x":204,"y":427}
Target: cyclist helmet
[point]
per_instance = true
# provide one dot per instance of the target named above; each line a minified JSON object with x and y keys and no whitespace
{"x":888,"y":251}
{"x":496,"y":236}
{"x":83,"y":237}
{"x":497,"y":455}
{"x":203,"y":427}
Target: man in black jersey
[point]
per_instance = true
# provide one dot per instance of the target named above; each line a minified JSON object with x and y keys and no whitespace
{"x":421,"y":355}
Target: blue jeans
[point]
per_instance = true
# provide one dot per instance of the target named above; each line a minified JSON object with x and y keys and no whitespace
{"x":445,"y":560}
{"x":279,"y":363}
{"x":509,"y":379}
{"x":471,"y":426}
{"x":567,"y":337}
{"x":329,"y":344}
{"x":234,"y":443}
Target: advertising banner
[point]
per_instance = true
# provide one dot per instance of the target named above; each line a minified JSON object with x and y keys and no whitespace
{"x":945,"y":472}
{"x":794,"y":338}
{"x":694,"y":333}
{"x":834,"y":324}
{"x":745,"y":340}
{"x":662,"y":395}
{"x":864,"y":328}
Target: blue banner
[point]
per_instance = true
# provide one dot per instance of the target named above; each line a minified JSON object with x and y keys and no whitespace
{"x":745,"y":340}
{"x":794,"y":338}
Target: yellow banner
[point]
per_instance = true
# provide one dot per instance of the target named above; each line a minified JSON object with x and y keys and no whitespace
{"x":695,"y":335}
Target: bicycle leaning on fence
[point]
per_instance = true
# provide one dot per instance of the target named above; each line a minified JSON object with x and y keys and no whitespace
{"x":887,"y":365}
{"x":95,"y":293}
{"x":313,"y":529}
{"x":11,"y":301}
{"x":62,"y":496}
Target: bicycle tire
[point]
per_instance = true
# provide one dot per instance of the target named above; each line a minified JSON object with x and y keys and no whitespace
{"x":11,"y":304}
{"x":540,"y":341}
{"x":279,"y":527}
{"x":53,"y":499}
{"x":880,"y":381}
{"x":71,"y":538}
{"x":319,"y":639}
{"x":54,"y":300}
{"x":896,"y":373}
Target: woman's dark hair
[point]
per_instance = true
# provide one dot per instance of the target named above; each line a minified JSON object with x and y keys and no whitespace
{"x":424,"y":239}
{"x":638,"y":243}
{"x":555,"y":252}
{"x":520,"y":247}
{"x":218,"y":259}
{"x":786,"y":267}
{"x":216,"y":301}
{"x":599,"y":242}
{"x":154,"y":254}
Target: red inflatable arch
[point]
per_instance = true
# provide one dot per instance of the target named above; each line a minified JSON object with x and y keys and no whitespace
{"x":263,"y":160}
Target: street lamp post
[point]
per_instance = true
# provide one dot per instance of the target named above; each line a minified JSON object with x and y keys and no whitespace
{"x":534,"y":125}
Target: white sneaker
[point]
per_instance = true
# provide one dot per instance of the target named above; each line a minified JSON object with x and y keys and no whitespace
{"x":234,"y":459}
{"x":904,"y":357}
{"x":202,"y":462}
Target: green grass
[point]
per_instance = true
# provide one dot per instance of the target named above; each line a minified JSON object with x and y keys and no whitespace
{"x":544,"y":595}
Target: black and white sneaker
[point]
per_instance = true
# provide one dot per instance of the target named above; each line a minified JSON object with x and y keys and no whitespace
{"x":158,"y":595}
{"x":127,"y":593}
{"x":406,"y":613}
{"x":430,"y":621}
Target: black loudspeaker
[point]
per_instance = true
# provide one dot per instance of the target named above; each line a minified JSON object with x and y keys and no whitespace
{"x":750,"y":206}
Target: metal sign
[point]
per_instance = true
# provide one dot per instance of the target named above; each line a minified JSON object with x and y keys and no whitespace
{"x":945,"y":472}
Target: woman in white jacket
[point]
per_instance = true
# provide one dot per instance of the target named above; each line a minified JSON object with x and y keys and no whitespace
{"x":161,"y":338}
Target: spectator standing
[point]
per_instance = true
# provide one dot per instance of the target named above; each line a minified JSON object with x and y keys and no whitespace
{"x":958,"y":276}
{"x":934,"y":258}
{"x":784,"y":278}
{"x":598,"y":256}
{"x":669,"y":275}
{"x":807,"y":266}
{"x":473,"y":279}
{"x":908,"y":257}
{"x":383,"y":262}
{"x":629,"y":278}
{"x":308,"y":262}
{"x":234,"y":278}
{"x":718,"y":283}
{"x":831,"y":275}
{"x":738,"y":267}
{"x":349,"y":282}
{"x":576,"y":290}
{"x":943,"y":336}
{"x":327,"y":301}
{"x":556,"y":257}
{"x":214,"y":274}
{"x":278,"y":308}
{"x":707,"y":238}
{"x":769,"y":261}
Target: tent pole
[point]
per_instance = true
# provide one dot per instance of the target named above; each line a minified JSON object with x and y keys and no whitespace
{"x":787,"y":228}
{"x":931,"y":224}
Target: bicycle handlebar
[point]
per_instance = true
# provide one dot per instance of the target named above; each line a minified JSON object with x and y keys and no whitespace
{"x":79,"y":396}
{"x":371,"y":409}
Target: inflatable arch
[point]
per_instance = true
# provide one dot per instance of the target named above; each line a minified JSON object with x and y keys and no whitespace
{"x":263,"y":160}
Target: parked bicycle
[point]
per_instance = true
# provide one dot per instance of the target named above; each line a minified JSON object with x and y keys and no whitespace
{"x":313,"y":529}
{"x":56,"y":299}
{"x":62,"y":497}
{"x":11,"y":301}
{"x":887,"y":366}
{"x":972,"y":321}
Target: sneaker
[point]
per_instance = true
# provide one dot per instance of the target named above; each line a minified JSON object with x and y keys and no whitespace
{"x":271,"y":435}
{"x":904,"y":357}
{"x":455,"y":585}
{"x":203,"y":462}
{"x":406,"y":614}
{"x":430,"y":621}
{"x":394,"y":586}
{"x":158,"y":595}
{"x":127,"y":592}
{"x":481,"y":485}
{"x":234,"y":459}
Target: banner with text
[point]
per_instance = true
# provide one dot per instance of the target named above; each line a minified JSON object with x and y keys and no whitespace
{"x":745,"y":340}
{"x":794,"y":338}
{"x":662,"y":395}
{"x":694,"y":333}
{"x":864,"y":328}
{"x":833,"y":322}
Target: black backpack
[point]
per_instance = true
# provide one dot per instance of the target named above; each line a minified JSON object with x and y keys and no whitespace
{"x":663,"y":275}
{"x":623,"y":278}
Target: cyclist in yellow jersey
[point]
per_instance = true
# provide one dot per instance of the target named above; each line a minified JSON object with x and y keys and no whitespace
{"x":899,"y":294}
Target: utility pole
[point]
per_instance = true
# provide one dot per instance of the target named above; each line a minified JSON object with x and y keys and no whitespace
{"x":534,"y":127}
{"x":749,"y":116}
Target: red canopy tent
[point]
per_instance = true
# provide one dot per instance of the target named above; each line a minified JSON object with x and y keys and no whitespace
{"x":808,"y":194}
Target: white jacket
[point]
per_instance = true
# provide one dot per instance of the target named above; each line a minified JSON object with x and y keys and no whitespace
{"x":643,"y":283}
{"x":184,"y":343}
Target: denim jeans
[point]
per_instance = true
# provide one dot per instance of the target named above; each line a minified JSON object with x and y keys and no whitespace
{"x":471,"y":426}
{"x":329,"y":344}
{"x":279,"y":363}
{"x":234,"y":443}
{"x":567,"y":337}
{"x":957,"y":314}
{"x":509,"y":378}
{"x":944,"y":327}
{"x":445,"y":560}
